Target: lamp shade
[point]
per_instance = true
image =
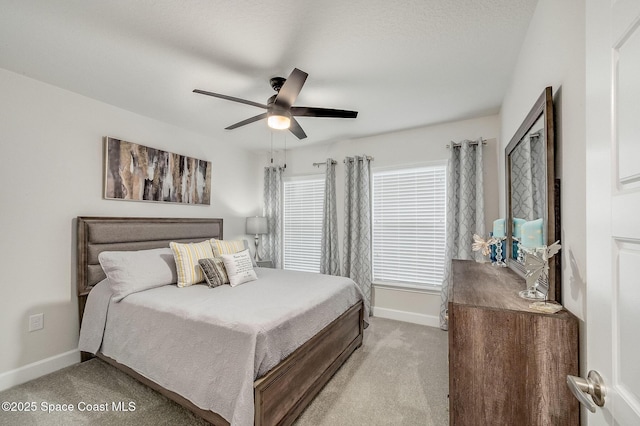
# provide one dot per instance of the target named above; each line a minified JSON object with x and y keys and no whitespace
{"x":279,"y":121}
{"x":257,"y":225}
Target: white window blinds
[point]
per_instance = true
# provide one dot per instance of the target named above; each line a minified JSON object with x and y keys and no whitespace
{"x":409,"y":229}
{"x":302,"y":213}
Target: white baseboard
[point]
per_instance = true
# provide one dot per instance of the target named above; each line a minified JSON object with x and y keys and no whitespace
{"x":430,"y":320}
{"x":37,"y":369}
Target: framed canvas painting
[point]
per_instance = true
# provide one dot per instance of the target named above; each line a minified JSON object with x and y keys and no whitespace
{"x":140,"y":173}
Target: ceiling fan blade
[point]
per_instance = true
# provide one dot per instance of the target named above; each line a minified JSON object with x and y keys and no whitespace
{"x":230,"y":98}
{"x":291,"y":88}
{"x":322,"y":112}
{"x":296,"y":129}
{"x":247,"y":121}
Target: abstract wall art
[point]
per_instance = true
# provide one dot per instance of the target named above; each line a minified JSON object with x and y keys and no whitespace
{"x":140,"y":173}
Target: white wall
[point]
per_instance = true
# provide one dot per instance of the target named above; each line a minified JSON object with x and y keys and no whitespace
{"x":415,"y":146}
{"x":553,"y":54}
{"x":52,"y":167}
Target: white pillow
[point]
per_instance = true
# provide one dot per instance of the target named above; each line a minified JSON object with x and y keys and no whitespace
{"x":134,"y":271}
{"x":239,"y":267}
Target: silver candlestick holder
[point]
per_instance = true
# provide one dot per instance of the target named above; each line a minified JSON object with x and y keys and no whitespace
{"x":499,"y":252}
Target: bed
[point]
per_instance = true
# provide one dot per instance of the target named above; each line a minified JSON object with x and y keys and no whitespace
{"x":280,"y":391}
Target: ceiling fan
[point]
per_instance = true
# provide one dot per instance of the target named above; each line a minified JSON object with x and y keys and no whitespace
{"x":280,"y":110}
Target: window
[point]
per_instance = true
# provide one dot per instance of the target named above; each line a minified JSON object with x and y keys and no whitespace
{"x":302,"y":233}
{"x":408,"y":235}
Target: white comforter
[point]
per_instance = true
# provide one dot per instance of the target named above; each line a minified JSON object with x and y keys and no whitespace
{"x":209,"y":345}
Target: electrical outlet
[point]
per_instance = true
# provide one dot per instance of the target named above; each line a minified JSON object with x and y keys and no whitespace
{"x":36,"y":322}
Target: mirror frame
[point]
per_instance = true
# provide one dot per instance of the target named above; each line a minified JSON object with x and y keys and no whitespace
{"x":542,"y":107}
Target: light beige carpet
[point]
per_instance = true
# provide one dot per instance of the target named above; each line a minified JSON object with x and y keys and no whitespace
{"x":398,"y":377}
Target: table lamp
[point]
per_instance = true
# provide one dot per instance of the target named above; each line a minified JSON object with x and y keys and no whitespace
{"x":257,"y":225}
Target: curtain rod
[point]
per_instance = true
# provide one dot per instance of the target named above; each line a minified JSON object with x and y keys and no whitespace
{"x":368,"y":157}
{"x":335,"y":162}
{"x":472,"y":143}
{"x":324,"y":162}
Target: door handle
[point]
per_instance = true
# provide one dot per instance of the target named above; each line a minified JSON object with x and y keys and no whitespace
{"x":593,"y":385}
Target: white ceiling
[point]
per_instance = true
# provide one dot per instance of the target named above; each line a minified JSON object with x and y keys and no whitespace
{"x":400,"y":63}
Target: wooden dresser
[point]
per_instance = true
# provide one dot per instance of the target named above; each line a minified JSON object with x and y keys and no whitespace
{"x":507,"y":363}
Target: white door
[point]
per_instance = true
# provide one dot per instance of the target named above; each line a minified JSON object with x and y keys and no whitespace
{"x":613,"y":206}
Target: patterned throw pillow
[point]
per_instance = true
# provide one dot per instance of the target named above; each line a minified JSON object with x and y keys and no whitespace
{"x":214,"y":272}
{"x":239,"y":267}
{"x":186,"y":257}
{"x":229,"y":247}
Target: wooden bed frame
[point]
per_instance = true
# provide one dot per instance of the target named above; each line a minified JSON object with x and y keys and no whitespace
{"x":283,"y":393}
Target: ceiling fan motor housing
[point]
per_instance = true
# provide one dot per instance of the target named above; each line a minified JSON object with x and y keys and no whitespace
{"x":277,"y":82}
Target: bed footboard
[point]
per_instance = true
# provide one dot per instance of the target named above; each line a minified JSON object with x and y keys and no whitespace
{"x":283,"y":393}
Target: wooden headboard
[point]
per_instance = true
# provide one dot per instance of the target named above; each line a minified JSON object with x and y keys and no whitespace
{"x":98,"y":234}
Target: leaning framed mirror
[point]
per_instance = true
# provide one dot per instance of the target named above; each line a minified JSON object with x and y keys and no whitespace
{"x":532,"y":193}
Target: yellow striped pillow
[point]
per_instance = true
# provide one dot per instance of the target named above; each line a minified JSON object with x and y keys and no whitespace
{"x":226,"y":247}
{"x":230,"y":247}
{"x":186,"y":257}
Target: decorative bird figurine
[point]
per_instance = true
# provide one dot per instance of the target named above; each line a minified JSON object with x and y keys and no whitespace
{"x":536,"y":265}
{"x":480,"y":244}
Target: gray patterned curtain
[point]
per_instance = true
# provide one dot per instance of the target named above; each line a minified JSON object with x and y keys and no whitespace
{"x":465,"y":211}
{"x":272,"y":242}
{"x":357,"y":224}
{"x":521,"y":188}
{"x":329,"y":256}
{"x":528,"y":178}
{"x":538,"y":173}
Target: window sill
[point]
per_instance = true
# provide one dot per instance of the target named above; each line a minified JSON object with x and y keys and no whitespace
{"x":411,"y":288}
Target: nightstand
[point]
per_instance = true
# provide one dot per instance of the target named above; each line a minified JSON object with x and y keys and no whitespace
{"x":264,"y":263}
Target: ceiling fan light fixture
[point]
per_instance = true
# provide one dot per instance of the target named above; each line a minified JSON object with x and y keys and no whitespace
{"x":279,"y":121}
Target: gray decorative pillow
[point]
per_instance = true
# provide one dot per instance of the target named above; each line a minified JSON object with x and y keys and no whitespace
{"x":214,"y":272}
{"x":134,"y":271}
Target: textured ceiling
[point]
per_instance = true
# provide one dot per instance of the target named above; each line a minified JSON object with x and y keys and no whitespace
{"x":400,"y":63}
